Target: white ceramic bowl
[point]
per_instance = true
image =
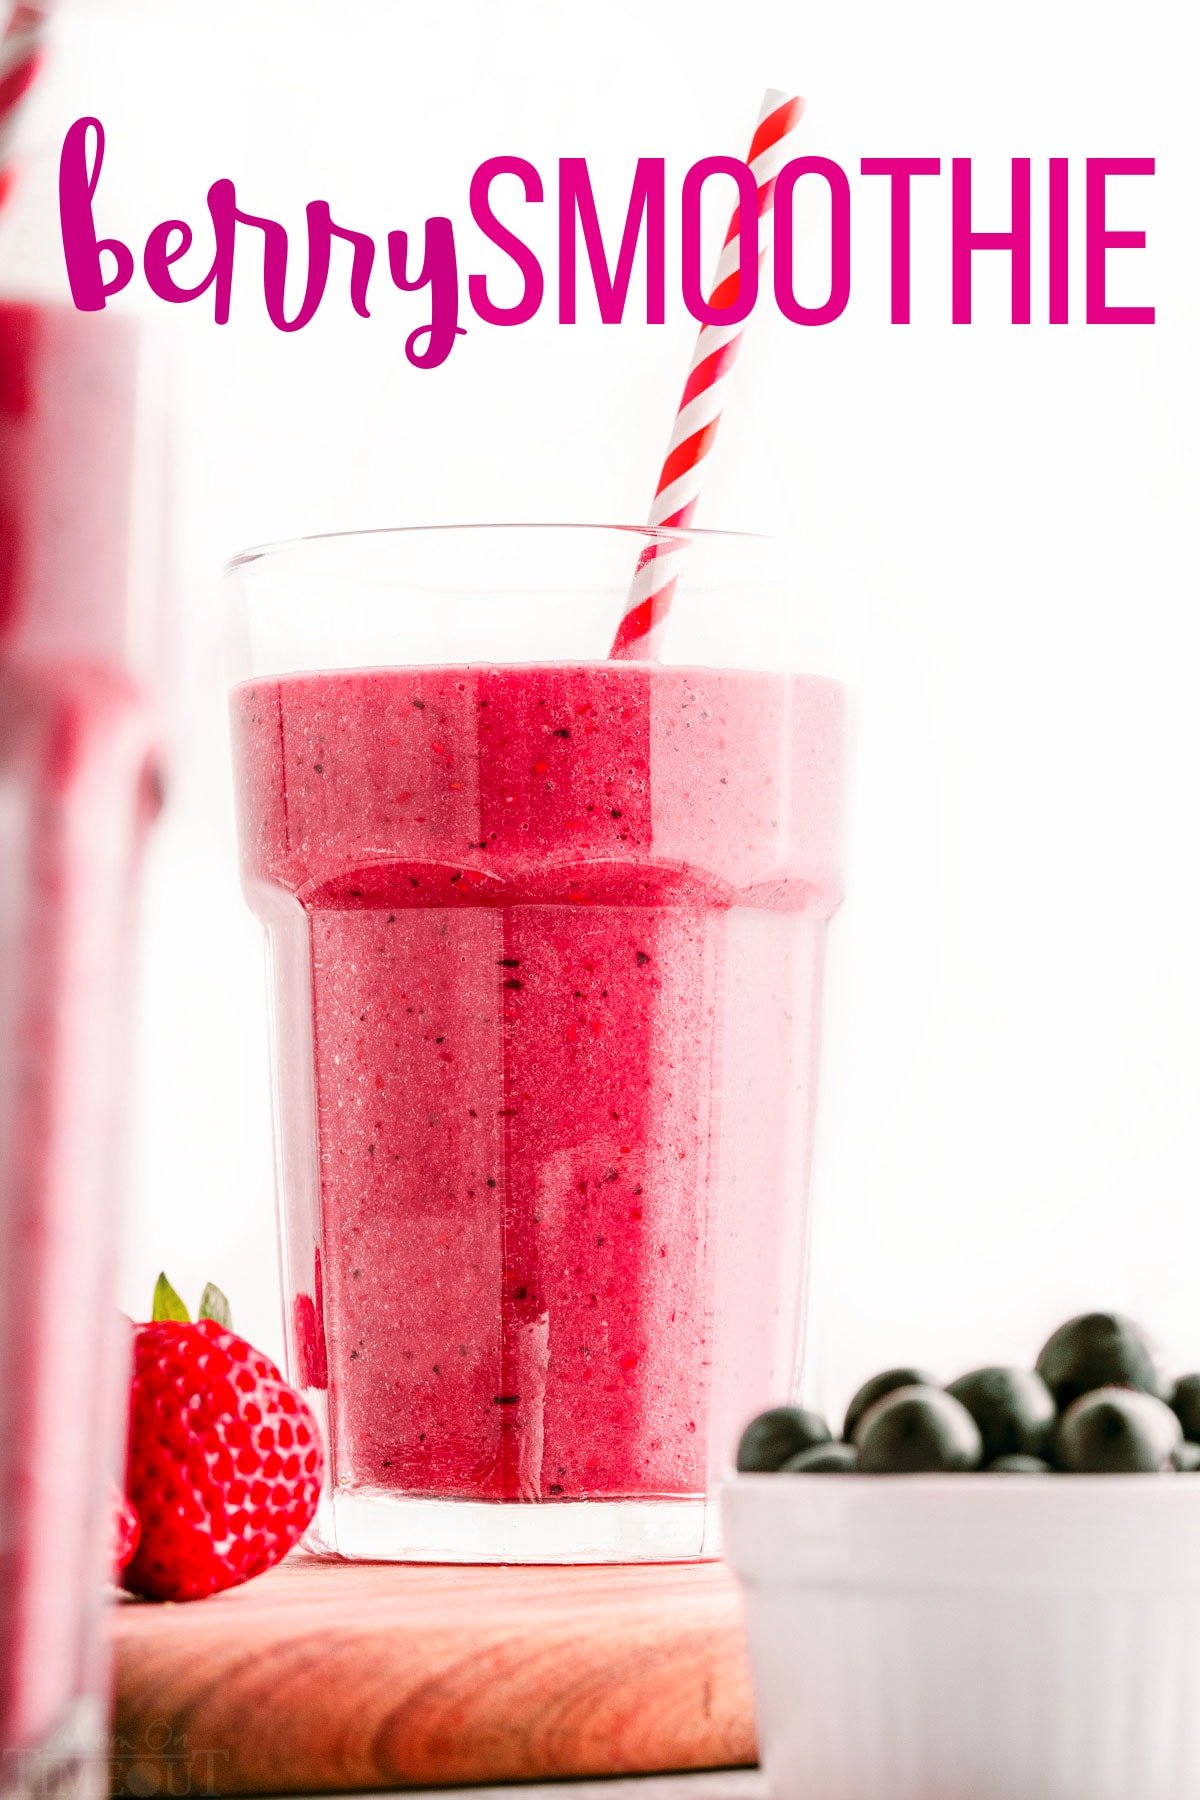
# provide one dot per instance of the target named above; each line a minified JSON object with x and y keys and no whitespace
{"x":972,"y":1637}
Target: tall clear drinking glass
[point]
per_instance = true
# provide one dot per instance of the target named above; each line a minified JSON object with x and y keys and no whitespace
{"x":78,"y":587}
{"x":545,"y":937}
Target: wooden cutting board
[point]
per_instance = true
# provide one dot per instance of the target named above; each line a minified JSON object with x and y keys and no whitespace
{"x":325,"y":1676}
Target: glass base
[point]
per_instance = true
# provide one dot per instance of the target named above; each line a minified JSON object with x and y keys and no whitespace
{"x":72,"y":1763}
{"x":370,"y":1525}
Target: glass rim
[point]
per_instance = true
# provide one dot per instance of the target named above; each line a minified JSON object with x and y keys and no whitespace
{"x":677,"y":535}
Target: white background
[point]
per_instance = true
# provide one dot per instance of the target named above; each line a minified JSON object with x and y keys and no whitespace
{"x":1009,"y":1122}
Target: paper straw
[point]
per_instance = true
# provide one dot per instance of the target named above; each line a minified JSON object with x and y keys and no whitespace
{"x":704,"y":393}
{"x":21,"y":50}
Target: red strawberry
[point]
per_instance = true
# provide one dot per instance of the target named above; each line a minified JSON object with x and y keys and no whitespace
{"x":225,"y":1458}
{"x":126,"y":1530}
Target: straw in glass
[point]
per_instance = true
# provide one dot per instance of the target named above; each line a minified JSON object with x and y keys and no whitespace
{"x":704,"y":395}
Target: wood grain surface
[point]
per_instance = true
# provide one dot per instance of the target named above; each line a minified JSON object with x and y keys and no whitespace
{"x":328,"y":1676}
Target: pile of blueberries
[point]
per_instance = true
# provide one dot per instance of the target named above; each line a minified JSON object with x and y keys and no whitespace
{"x":1096,"y":1404}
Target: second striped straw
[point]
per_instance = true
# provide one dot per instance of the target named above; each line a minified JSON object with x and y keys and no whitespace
{"x":21,"y":49}
{"x":704,"y":393}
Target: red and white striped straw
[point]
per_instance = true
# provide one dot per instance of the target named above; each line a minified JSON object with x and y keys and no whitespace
{"x":704,"y":392}
{"x":21,"y":50}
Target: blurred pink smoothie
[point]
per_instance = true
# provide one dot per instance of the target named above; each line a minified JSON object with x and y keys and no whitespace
{"x":76,"y":790}
{"x":547,"y":947}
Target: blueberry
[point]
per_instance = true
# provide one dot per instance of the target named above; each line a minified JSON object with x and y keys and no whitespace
{"x":1098,"y":1350}
{"x":1185,"y":1402}
{"x":918,"y":1430}
{"x":1019,"y":1465}
{"x":1013,"y":1408}
{"x":1115,"y":1431}
{"x":823,"y":1459}
{"x":876,"y":1389}
{"x":770,"y":1439}
{"x":1186,"y":1458}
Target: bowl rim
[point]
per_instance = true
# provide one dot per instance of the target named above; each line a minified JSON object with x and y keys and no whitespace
{"x":1086,"y":1532}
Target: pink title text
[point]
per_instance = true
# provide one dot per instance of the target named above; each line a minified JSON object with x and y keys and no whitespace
{"x":426,"y":264}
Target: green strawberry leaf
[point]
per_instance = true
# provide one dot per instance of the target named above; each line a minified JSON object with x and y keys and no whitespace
{"x":167,"y":1304}
{"x":214,"y":1306}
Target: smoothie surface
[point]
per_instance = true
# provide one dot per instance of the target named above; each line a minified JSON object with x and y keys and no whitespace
{"x":725,"y":781}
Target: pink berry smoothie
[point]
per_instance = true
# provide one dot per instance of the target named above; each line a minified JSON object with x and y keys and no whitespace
{"x":76,"y":791}
{"x":546,"y":945}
